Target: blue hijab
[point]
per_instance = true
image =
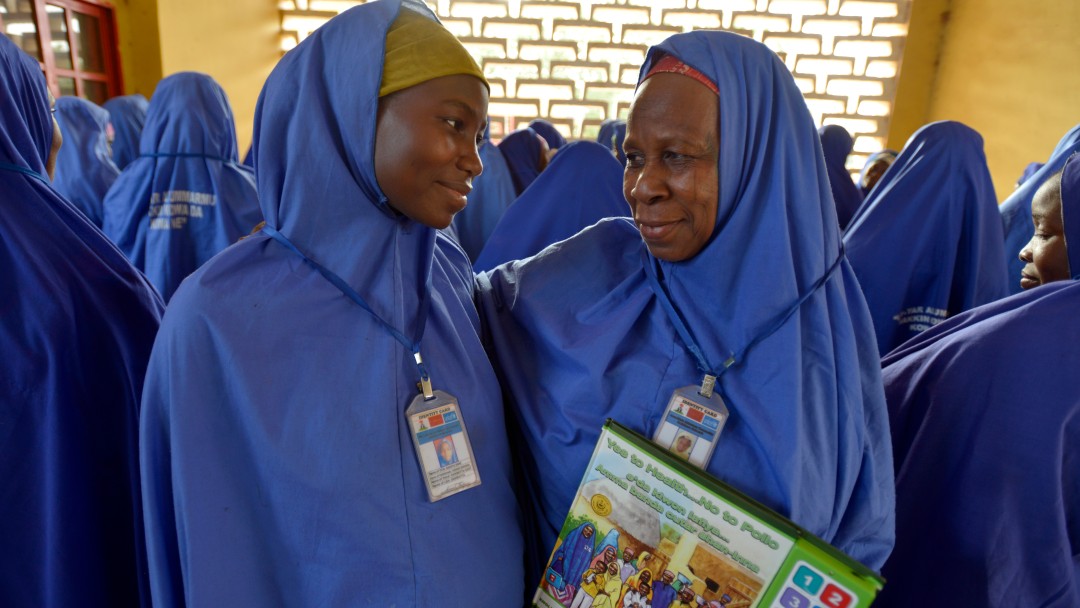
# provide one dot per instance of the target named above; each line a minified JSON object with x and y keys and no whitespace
{"x":579,"y":335}
{"x":1070,"y":212}
{"x":886,"y":154}
{"x":985,"y":419}
{"x":551,"y":135}
{"x":581,"y":186}
{"x":84,"y":171}
{"x":575,"y":554}
{"x":286,"y":475}
{"x":620,"y":136}
{"x":1029,"y":171}
{"x":926,"y":244}
{"x":836,"y":144}
{"x":186,"y":198}
{"x":492,"y":193}
{"x":76,"y":326}
{"x":127,"y":115}
{"x":606,"y":136}
{"x":522,"y":152}
{"x":1016,"y":210}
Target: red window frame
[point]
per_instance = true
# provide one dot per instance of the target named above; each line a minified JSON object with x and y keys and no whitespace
{"x":111,"y":75}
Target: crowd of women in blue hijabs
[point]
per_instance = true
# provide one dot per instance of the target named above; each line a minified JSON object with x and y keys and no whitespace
{"x":253,"y":443}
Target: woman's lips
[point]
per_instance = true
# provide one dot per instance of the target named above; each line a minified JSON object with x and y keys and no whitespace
{"x":656,"y":231}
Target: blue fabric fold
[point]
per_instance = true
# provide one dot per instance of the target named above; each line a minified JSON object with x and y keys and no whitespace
{"x":127,"y":114}
{"x":84,"y":169}
{"x":185,"y":198}
{"x":927,"y":243}
{"x":581,"y":186}
{"x":580,"y":336}
{"x":836,"y":144}
{"x":985,"y":417}
{"x":278,"y":464}
{"x":492,"y":193}
{"x":76,"y":325}
{"x":1016,"y":209}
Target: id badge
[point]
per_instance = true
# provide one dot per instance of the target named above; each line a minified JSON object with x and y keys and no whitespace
{"x":442,"y":445}
{"x":691,"y":425}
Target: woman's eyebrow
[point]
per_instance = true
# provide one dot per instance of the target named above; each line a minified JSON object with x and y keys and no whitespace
{"x":468,"y":109}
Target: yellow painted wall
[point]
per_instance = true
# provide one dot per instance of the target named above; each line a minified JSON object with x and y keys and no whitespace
{"x":234,"y":41}
{"x":139,"y":41}
{"x":1005,"y":67}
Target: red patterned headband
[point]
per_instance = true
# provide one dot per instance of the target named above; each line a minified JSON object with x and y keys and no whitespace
{"x":670,"y":63}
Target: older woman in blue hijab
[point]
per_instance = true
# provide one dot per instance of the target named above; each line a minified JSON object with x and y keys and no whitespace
{"x":76,"y":326}
{"x":127,"y":115}
{"x":985,"y":419}
{"x":582,"y":186}
{"x":1016,"y":210}
{"x":84,"y":170}
{"x":730,"y":273}
{"x":836,"y":144}
{"x":185,"y":198}
{"x":282,"y":460}
{"x":927,"y":243}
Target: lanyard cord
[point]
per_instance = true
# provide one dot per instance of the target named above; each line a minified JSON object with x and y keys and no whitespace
{"x":691,"y":344}
{"x":412,"y":345}
{"x":187,"y":155}
{"x":24,"y":171}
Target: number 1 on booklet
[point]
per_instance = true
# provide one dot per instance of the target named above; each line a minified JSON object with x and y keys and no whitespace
{"x":691,"y":425}
{"x":442,"y":445}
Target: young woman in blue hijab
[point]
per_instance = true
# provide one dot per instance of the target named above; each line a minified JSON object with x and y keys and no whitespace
{"x":836,"y":144}
{"x":731,"y":268}
{"x":84,"y":170}
{"x":127,"y":114}
{"x":927,"y":243}
{"x":526,"y":155}
{"x":581,"y":186}
{"x":1016,"y":210}
{"x":279,"y":465}
{"x":76,"y":326}
{"x":186,"y":197}
{"x":492,"y":193}
{"x":985,"y":417}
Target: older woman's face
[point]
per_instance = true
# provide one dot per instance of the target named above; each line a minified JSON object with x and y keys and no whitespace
{"x":671,"y":179}
{"x":1046,"y":256}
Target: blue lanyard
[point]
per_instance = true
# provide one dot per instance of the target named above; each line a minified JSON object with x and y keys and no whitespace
{"x":23,"y":170}
{"x":186,"y":155}
{"x":412,"y":345}
{"x":691,"y":344}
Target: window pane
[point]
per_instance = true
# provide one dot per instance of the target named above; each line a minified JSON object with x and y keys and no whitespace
{"x":67,"y":85}
{"x":20,"y":27}
{"x":58,"y":29}
{"x":88,"y":34}
{"x":95,"y":91}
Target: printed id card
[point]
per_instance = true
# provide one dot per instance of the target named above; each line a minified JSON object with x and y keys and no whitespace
{"x":691,"y":425}
{"x":442,"y":445}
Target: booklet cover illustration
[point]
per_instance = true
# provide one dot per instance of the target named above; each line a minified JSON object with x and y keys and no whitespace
{"x":648,"y":530}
